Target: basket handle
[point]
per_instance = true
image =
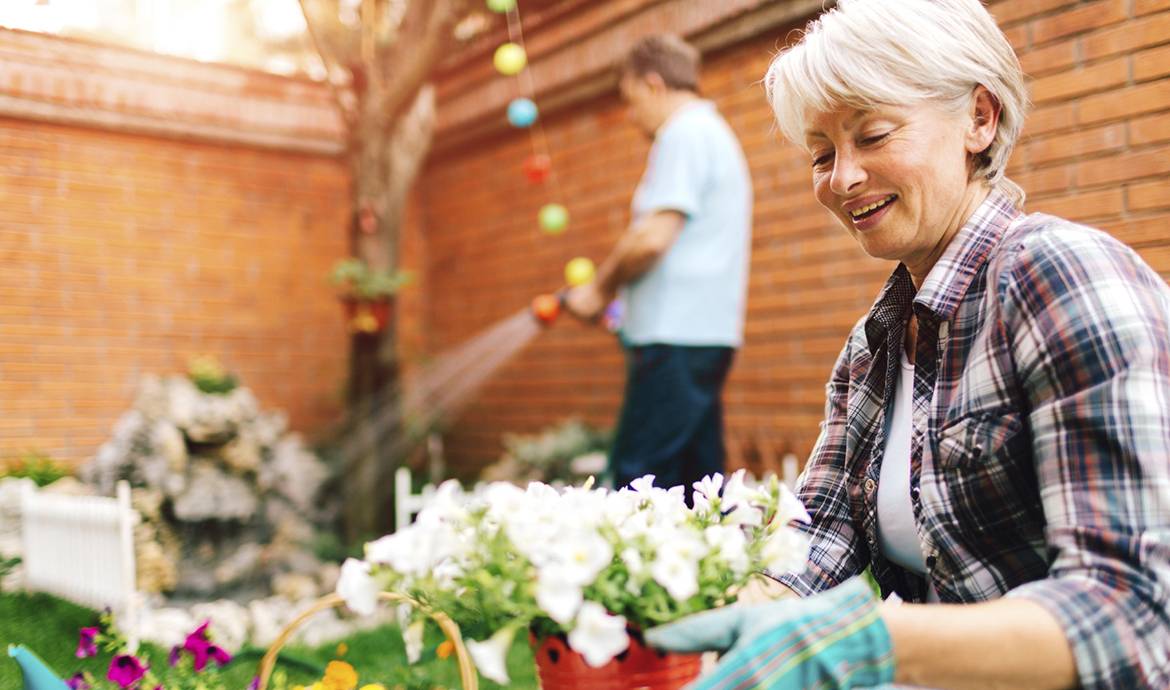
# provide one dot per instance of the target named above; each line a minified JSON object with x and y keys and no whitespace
{"x":467,"y":673}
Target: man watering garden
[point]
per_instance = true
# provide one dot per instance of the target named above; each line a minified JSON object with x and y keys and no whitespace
{"x":681,"y":270}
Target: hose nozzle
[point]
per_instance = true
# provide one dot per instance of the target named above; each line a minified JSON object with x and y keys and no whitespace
{"x":546,"y":308}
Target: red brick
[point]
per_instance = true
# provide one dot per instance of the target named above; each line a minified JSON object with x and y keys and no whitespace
{"x":1050,"y":118}
{"x":1007,"y":12}
{"x":1148,"y":196}
{"x":1127,"y":166}
{"x":1149,"y":130}
{"x":1138,"y":33}
{"x":1049,"y":59}
{"x":1136,"y":100}
{"x":1098,"y":77}
{"x":1078,"y":20}
{"x":1082,"y":206}
{"x":1142,"y":7}
{"x":1077,"y":144}
{"x":1151,"y":64}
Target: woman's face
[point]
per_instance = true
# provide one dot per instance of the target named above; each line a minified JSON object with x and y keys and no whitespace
{"x":897,"y":178}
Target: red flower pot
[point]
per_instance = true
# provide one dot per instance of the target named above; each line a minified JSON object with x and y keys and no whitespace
{"x":637,"y":668}
{"x":367,"y":316}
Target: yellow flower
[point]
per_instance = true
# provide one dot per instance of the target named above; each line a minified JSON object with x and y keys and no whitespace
{"x":445,"y":648}
{"x":340,"y":676}
{"x":373,"y":686}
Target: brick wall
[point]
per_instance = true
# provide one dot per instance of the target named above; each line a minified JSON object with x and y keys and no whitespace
{"x":152,"y":209}
{"x":1097,"y":149}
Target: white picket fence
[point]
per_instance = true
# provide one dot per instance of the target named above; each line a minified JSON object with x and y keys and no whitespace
{"x":81,"y":548}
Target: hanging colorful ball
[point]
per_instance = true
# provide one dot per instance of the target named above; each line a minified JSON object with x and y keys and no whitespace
{"x":579,"y":271}
{"x":522,"y":113}
{"x":510,"y":59}
{"x":501,"y":6}
{"x":537,"y":168}
{"x":554,"y":218}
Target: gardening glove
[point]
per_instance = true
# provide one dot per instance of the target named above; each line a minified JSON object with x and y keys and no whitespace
{"x":835,"y":639}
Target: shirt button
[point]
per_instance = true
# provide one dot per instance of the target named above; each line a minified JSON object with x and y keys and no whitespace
{"x":870,"y":485}
{"x":914,"y":493}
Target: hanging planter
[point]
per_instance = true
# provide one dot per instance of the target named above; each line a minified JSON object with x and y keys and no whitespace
{"x":367,"y":295}
{"x":367,"y":317}
{"x":561,"y":668}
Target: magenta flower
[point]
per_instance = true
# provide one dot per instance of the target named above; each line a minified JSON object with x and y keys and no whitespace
{"x":86,"y":645}
{"x":174,"y":656}
{"x":255,"y":684}
{"x":78,"y":682}
{"x":126,"y":671}
{"x":199,"y":645}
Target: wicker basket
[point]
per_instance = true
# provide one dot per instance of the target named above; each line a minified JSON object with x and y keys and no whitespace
{"x":467,"y":674}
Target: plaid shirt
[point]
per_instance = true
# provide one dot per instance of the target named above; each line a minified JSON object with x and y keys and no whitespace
{"x":1040,"y":453}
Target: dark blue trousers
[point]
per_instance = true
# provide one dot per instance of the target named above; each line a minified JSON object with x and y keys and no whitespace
{"x":671,"y":423}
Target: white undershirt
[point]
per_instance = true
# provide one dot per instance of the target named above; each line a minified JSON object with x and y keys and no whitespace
{"x":897,"y":534}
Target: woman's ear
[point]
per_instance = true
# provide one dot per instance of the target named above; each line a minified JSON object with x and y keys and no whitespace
{"x":985,"y":111}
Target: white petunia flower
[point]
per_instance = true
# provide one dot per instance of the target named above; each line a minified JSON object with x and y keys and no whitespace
{"x":582,"y":556}
{"x":731,"y":545}
{"x":790,"y":508}
{"x":598,"y":636}
{"x":786,"y":551}
{"x":491,"y":655}
{"x":357,"y":587}
{"x":412,"y":638}
{"x":559,"y":597}
{"x":739,"y":501}
{"x":678,"y":575}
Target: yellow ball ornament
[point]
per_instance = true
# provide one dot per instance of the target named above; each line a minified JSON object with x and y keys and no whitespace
{"x":553,"y":218}
{"x":579,"y":271}
{"x":501,"y":6}
{"x":509,"y":59}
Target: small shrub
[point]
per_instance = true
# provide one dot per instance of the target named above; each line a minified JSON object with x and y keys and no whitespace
{"x":209,"y":376}
{"x":38,"y":467}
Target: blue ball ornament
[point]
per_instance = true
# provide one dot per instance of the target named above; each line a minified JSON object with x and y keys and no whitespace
{"x":522,"y":113}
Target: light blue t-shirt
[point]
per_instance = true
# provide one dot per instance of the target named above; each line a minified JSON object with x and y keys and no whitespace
{"x":695,"y":294}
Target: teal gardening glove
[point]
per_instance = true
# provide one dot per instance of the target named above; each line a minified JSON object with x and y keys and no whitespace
{"x":835,"y":639}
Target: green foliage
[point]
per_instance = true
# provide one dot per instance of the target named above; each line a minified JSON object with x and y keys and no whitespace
{"x":359,"y":281}
{"x":548,"y":456}
{"x":7,"y":565}
{"x":210,"y":377}
{"x":49,"y":626}
{"x":38,"y":467}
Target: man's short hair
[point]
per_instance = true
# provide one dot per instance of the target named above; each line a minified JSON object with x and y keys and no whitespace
{"x":668,"y":56}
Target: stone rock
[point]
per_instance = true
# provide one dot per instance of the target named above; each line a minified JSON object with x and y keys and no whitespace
{"x":241,"y":454}
{"x":166,"y":627}
{"x":295,"y":586}
{"x":327,"y":577}
{"x":69,"y":486}
{"x":167,"y":442}
{"x":269,"y":427}
{"x":211,"y":494}
{"x":152,"y":400}
{"x":269,"y":617}
{"x":230,"y":622}
{"x":243,"y":564}
{"x":295,"y":473}
{"x":157,"y":570}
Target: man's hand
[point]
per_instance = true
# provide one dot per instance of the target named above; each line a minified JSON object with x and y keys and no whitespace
{"x":585,"y":302}
{"x":835,"y":639}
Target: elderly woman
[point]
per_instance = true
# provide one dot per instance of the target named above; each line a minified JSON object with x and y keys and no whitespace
{"x":996,"y":447}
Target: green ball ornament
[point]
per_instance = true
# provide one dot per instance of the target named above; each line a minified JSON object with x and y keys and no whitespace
{"x":554,"y":218}
{"x":509,"y":59}
{"x":501,"y":6}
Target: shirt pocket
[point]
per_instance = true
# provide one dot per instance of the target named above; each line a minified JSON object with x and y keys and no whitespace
{"x":984,"y":463}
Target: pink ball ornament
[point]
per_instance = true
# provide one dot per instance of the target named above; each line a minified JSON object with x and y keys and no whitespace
{"x":537,"y":168}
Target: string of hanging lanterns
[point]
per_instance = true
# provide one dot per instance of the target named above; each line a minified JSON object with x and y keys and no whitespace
{"x":511,"y":59}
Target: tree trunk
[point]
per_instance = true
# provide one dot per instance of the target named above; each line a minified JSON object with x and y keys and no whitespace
{"x":385,"y":166}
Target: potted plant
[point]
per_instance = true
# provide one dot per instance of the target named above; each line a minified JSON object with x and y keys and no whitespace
{"x":367,"y":294}
{"x":582,"y":571}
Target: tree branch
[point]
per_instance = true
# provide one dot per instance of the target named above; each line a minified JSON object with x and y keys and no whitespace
{"x":416,"y":59}
{"x":348,"y":114}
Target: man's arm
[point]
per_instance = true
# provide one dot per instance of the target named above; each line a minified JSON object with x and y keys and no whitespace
{"x":635,"y":253}
{"x":1007,"y":643}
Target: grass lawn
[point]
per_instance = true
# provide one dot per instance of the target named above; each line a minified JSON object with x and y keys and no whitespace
{"x":48,"y":626}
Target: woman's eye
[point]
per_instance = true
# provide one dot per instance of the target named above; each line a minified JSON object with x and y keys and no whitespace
{"x":822,"y":160}
{"x":875,"y":139}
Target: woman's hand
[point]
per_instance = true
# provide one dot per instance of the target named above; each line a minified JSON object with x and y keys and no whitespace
{"x":834,"y":639}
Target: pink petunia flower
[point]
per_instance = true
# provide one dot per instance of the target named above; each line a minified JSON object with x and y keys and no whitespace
{"x":126,"y":671}
{"x":78,"y":682}
{"x":86,"y":644}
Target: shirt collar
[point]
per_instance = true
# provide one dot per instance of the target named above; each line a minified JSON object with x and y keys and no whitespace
{"x":947,"y":283}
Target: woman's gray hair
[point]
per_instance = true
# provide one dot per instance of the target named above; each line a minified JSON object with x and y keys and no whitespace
{"x":866,"y":53}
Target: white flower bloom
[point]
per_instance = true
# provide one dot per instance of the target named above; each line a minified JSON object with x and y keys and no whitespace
{"x":786,"y":551}
{"x":559,"y":597}
{"x":731,"y":545}
{"x":790,"y":508}
{"x":598,"y":636}
{"x":740,"y":501}
{"x":582,"y":556}
{"x":357,"y":587}
{"x":679,"y":576}
{"x":412,"y":638}
{"x":710,"y":485}
{"x":491,"y":655}
{"x":643,"y":485}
